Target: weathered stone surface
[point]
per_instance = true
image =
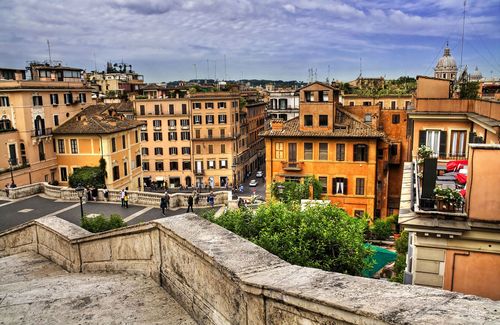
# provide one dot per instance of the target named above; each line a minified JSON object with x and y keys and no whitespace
{"x":134,"y":247}
{"x":96,"y":251}
{"x":34,"y":290}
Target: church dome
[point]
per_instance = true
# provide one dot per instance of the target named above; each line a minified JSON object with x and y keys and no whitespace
{"x":446,"y":62}
{"x":476,"y":75}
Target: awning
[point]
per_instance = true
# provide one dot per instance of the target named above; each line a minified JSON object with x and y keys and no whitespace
{"x":159,"y":178}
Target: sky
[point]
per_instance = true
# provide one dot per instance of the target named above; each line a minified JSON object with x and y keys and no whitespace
{"x":169,"y":40}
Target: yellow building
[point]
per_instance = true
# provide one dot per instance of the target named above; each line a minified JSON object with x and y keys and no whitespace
{"x":98,"y":132}
{"x":331,"y":144}
{"x":385,"y":102}
{"x":30,"y":109}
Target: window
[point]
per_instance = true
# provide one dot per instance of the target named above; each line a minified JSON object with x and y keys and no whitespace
{"x":368,"y":118}
{"x":68,"y":99}
{"x":159,"y":166}
{"x":308,"y":151}
{"x":172,"y":124}
{"x":323,"y":120}
{"x":113,"y":144}
{"x":145,"y":165}
{"x":235,"y":104}
{"x":209,"y":119}
{"x":222,"y":133}
{"x":222,"y":163}
{"x":222,"y":119}
{"x":186,"y":165}
{"x":142,"y":110}
{"x":197,"y":134}
{"x":210,"y":133}
{"x":116,"y":173}
{"x":125,"y":168}
{"x":210,"y":149}
{"x":158,"y":151}
{"x":197,"y":119}
{"x":198,"y":149}
{"x":359,"y":213}
{"x":69,"y":74}
{"x":174,"y":165}
{"x":222,"y":148}
{"x":211,"y":164}
{"x":60,"y":145}
{"x":171,"y":109}
{"x":54,"y":145}
{"x":184,"y":123}
{"x":144,"y":136}
{"x":393,"y":149}
{"x":54,"y":99}
{"x":37,"y":101}
{"x":124,"y":142}
{"x":308,"y":120}
{"x":158,"y":136}
{"x":172,"y":136}
{"x":324,"y":184}
{"x":64,"y":174}
{"x":74,"y":146}
{"x":158,"y":110}
{"x":209,"y":105}
{"x":339,"y":185}
{"x":380,"y":153}
{"x":82,"y":98}
{"x":221,"y":105}
{"x":196,"y":105}
{"x":136,"y":135}
{"x":393,"y":104}
{"x":156,"y":123}
{"x":323,"y":96}
{"x":172,"y":151}
{"x":367,"y":103}
{"x":56,"y":120}
{"x":360,"y":186}
{"x":351,"y":103}
{"x":323,"y":151}
{"x":309,"y":96}
{"x":4,"y":101}
{"x":185,"y":135}
{"x":395,"y":119}
{"x":145,"y":151}
{"x":5,"y":123}
{"x":360,"y":152}
{"x":184,"y":109}
{"x":340,"y":154}
{"x":458,"y":144}
{"x":433,"y":139}
{"x":278,"y":150}
{"x":186,"y":150}
{"x":137,"y":161}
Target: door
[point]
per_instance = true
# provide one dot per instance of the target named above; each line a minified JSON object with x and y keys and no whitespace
{"x":292,"y":155}
{"x":12,"y":154}
{"x":60,"y":76}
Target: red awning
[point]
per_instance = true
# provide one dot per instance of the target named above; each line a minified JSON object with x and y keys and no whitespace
{"x":455,"y":165}
{"x":461,"y":178}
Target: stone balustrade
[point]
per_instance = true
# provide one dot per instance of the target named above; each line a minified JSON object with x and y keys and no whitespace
{"x":221,"y":278}
{"x":135,"y":197}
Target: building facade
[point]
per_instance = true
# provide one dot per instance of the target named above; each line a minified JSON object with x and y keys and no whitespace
{"x":283,"y":104}
{"x":96,"y":133}
{"x":32,"y":105}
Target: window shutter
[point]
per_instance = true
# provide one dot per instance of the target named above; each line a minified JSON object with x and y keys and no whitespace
{"x":421,"y":138}
{"x":442,"y":143}
{"x":471,"y":137}
{"x":345,"y":186}
{"x":334,"y":185}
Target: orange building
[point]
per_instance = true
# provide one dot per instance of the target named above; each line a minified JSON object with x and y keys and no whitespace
{"x":335,"y":146}
{"x":30,"y":109}
{"x":98,"y":132}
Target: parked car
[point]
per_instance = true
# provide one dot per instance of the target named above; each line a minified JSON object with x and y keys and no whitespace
{"x":253,"y":183}
{"x":259,"y":174}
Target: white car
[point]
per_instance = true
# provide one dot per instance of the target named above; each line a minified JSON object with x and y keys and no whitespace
{"x":253,"y":183}
{"x":259,"y":174}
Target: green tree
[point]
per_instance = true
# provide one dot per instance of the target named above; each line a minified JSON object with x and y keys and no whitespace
{"x":323,"y":237}
{"x":87,"y":176}
{"x":469,"y":90}
{"x":400,"y":264}
{"x":293,"y":192}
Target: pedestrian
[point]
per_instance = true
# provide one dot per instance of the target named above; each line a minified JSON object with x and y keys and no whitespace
{"x":106,"y":193}
{"x":125,"y":199}
{"x":122,"y":197}
{"x":211,"y":198}
{"x":94,"y":193}
{"x":163,"y":205}
{"x":190,"y":203}
{"x":196,"y":197}
{"x":7,"y":187}
{"x":167,"y":200}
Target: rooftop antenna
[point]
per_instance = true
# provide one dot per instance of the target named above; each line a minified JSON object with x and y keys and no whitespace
{"x":463,"y":33}
{"x":328,"y":75}
{"x":195,"y":71}
{"x":315,"y":74}
{"x":360,"y":67}
{"x":208,"y":70}
{"x":215,"y":69}
{"x":95,"y":63}
{"x":225,"y":74}
{"x":50,"y":56}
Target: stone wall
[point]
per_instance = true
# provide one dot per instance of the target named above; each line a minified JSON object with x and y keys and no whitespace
{"x":220,"y":278}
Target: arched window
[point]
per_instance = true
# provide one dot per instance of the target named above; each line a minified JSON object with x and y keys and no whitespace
{"x":5,"y":123}
{"x":39,"y":125}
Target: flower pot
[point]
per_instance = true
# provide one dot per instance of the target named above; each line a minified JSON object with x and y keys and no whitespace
{"x":444,"y":206}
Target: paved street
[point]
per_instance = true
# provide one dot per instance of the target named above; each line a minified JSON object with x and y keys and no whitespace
{"x":13,"y":213}
{"x":260,"y":189}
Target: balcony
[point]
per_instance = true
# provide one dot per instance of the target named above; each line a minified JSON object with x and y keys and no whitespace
{"x":199,"y":172}
{"x":292,"y":166}
{"x":41,"y":133}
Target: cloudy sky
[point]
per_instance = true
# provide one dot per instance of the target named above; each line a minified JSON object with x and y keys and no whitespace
{"x":274,"y":39}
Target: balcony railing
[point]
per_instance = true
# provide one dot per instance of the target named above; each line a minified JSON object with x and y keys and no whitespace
{"x":199,"y":172}
{"x":292,"y":165}
{"x":41,"y":132}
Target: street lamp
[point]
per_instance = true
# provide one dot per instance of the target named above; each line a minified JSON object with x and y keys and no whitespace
{"x":233,"y":168}
{"x":80,"y":190}
{"x":11,"y":163}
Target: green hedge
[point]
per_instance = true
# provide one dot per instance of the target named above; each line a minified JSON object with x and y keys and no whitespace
{"x":87,"y":176}
{"x":102,"y":223}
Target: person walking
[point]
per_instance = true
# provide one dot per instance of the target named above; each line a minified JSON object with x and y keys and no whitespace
{"x":190,"y":203}
{"x":167,"y":200}
{"x":125,"y":199}
{"x":122,"y":197}
{"x":106,"y":193}
{"x":211,"y":198}
{"x":163,"y":205}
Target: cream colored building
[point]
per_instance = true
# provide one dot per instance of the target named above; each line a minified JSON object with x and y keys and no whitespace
{"x":30,"y":109}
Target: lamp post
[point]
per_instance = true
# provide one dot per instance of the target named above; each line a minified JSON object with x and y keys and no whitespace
{"x":80,"y":190}
{"x":233,"y":168}
{"x":11,"y":163}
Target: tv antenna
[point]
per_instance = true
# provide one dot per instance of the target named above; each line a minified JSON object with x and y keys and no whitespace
{"x":50,"y":56}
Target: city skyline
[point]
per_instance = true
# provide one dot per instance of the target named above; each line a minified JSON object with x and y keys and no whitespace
{"x":182,"y":40}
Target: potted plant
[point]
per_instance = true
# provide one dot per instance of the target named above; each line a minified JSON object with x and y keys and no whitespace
{"x":447,"y":199}
{"x":423,"y":153}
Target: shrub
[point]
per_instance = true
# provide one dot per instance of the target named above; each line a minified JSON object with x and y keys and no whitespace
{"x":323,"y":237}
{"x":101,"y":223}
{"x":87,"y":176}
{"x":294,"y":192}
{"x":400,"y":264}
{"x":381,"y":229}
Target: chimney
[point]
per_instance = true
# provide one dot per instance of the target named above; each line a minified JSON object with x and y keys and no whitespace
{"x":277,"y":125}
